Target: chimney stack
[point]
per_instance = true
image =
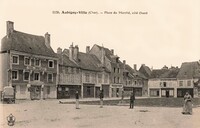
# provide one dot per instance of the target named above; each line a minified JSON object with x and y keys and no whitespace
{"x":10,"y":27}
{"x":71,"y":52}
{"x":112,"y":51}
{"x":87,"y":49}
{"x":47,"y":40}
{"x":135,"y":67}
{"x":59,"y":50}
{"x":124,"y":63}
{"x":76,"y":51}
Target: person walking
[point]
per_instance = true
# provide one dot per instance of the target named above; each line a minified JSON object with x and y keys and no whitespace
{"x":101,"y":98}
{"x":132,"y":98}
{"x":187,"y":107}
{"x":77,"y":100}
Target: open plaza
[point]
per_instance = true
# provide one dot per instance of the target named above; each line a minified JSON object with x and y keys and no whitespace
{"x":52,"y":114}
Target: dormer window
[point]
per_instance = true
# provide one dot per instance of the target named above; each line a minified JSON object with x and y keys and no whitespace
{"x":117,"y":59}
{"x":51,"y":64}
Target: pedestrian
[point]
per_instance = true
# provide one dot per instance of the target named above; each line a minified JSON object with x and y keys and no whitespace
{"x":132,"y":99}
{"x":187,"y":107}
{"x":77,"y":100}
{"x":101,"y":98}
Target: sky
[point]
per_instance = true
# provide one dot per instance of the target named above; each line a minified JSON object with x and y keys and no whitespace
{"x":167,"y":34}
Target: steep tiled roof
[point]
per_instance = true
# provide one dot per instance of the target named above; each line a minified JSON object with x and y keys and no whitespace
{"x":156,"y":73}
{"x":27,"y":43}
{"x":145,"y":70}
{"x":189,"y":70}
{"x":64,"y":60}
{"x":134,"y":72}
{"x":89,"y":62}
{"x":171,"y":73}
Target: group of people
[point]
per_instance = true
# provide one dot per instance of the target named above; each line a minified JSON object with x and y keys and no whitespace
{"x":101,"y":96}
{"x":187,"y":107}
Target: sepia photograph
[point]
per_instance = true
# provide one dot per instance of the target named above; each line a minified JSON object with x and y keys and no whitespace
{"x":100,"y":64}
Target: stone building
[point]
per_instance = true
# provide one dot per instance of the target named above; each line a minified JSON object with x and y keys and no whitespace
{"x":29,"y":64}
{"x":89,"y":73}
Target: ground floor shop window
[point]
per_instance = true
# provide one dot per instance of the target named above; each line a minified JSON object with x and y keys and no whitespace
{"x":154,"y":92}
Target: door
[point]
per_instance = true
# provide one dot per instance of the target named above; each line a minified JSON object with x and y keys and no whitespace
{"x":35,"y":92}
{"x":167,"y":93}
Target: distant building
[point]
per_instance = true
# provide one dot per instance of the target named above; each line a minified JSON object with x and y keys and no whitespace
{"x":134,"y":81}
{"x":28,"y":64}
{"x":187,"y":77}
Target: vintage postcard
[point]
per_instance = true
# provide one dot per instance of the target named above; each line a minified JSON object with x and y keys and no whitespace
{"x":99,"y":64}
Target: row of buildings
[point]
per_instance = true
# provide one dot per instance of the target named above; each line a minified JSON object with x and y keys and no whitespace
{"x":29,"y":64}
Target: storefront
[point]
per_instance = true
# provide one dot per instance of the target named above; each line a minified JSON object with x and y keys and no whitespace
{"x":167,"y":92}
{"x":154,"y":92}
{"x":88,"y":90}
{"x":181,"y":92}
{"x":68,"y":91}
{"x":116,"y":90}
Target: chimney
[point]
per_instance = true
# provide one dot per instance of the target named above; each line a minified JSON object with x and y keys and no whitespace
{"x":135,"y":67}
{"x":47,"y":40}
{"x":59,"y":50}
{"x":112,"y":51}
{"x":87,"y":49}
{"x":71,"y":52}
{"x":124,"y":63}
{"x":76,"y":51}
{"x":102,"y":56}
{"x":10,"y":27}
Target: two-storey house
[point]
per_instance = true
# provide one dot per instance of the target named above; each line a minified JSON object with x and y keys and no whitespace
{"x":187,"y":77}
{"x":28,"y":64}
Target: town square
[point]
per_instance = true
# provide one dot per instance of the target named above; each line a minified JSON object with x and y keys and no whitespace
{"x":75,"y":64}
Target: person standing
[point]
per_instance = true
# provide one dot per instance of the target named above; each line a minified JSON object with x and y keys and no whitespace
{"x":132,"y":99}
{"x":77,"y":100}
{"x":187,"y":107}
{"x":101,"y":98}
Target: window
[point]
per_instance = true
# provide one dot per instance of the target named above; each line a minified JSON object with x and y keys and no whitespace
{"x":189,"y":83}
{"x":37,"y":62}
{"x":154,"y":92}
{"x":22,"y":89}
{"x":14,"y":75}
{"x":15,"y":59}
{"x":26,"y":76}
{"x":99,"y":78}
{"x":51,"y":64}
{"x":114,"y":81}
{"x":27,"y":61}
{"x":164,"y":84}
{"x":50,"y":78}
{"x":36,"y":76}
{"x":114,"y":70}
{"x":118,"y":70}
{"x":88,"y":90}
{"x":135,"y":82}
{"x":180,"y":83}
{"x":118,"y":80}
{"x":87,"y":77}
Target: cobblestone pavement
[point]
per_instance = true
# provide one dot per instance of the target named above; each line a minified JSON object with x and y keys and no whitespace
{"x":51,"y":114}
